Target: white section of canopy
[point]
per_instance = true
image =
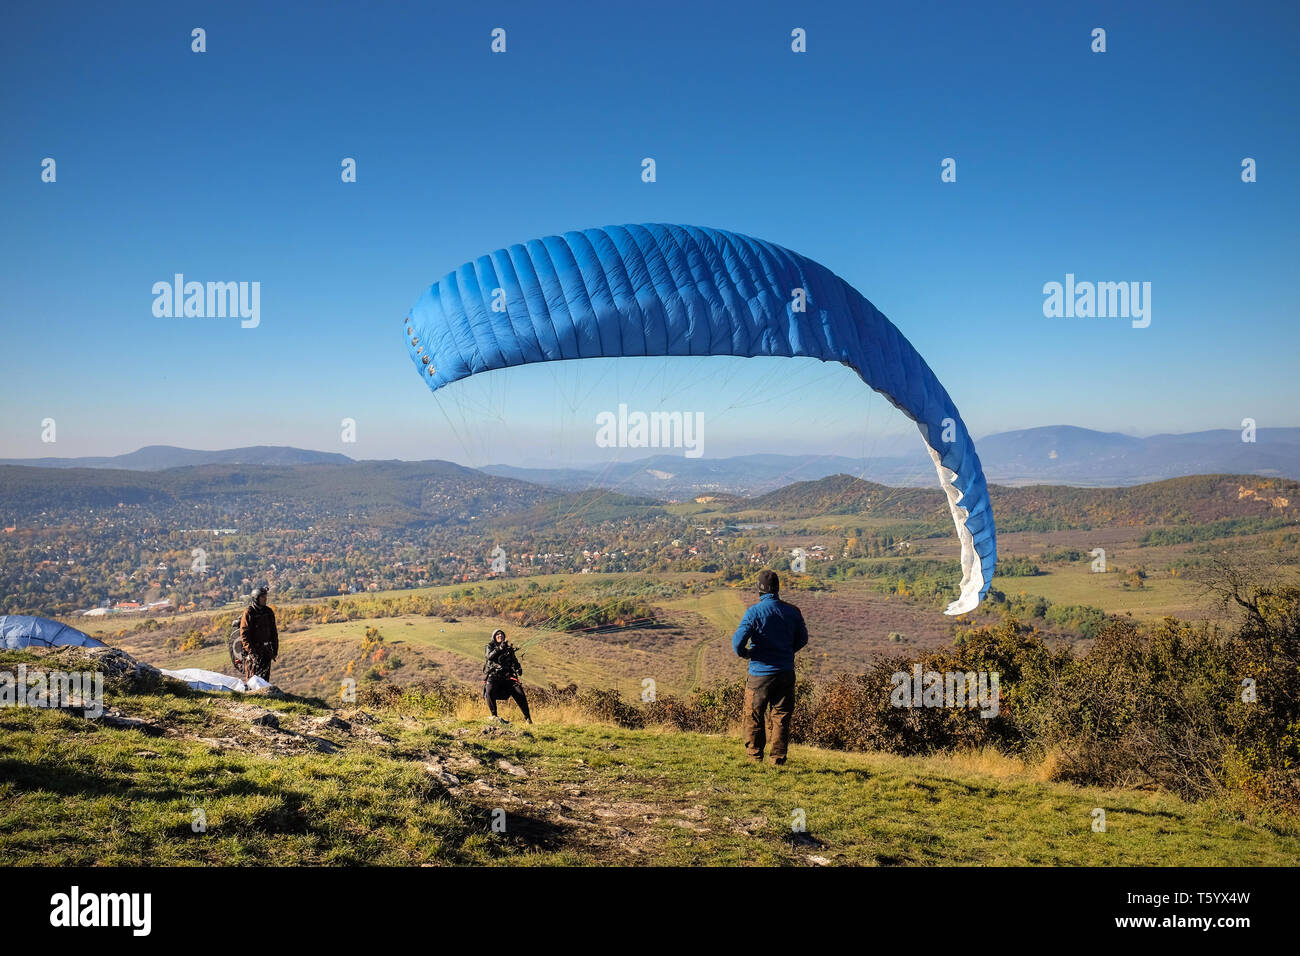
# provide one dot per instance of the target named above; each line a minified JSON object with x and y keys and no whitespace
{"x":972,"y":571}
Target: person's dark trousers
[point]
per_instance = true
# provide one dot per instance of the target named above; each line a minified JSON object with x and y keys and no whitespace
{"x":261,"y":664}
{"x":769,"y":706}
{"x":504,"y":689}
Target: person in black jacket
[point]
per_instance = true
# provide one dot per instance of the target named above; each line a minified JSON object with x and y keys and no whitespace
{"x":501,"y":673}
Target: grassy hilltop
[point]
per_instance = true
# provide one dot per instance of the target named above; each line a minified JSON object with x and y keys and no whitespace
{"x":407,"y":779}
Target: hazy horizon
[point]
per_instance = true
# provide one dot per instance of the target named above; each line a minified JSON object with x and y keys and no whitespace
{"x":895,"y":445}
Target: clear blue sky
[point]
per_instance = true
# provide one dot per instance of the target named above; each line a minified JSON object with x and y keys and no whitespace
{"x":225,"y":166}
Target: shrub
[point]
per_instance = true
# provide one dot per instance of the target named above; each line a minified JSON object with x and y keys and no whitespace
{"x":1018,"y":567}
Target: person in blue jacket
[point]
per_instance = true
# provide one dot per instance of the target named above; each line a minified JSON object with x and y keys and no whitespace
{"x":769,"y":635}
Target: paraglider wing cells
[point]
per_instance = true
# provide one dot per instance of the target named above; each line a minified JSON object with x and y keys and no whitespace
{"x":659,"y":290}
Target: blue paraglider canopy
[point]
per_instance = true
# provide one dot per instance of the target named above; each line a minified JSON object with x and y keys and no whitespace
{"x":20,"y":630}
{"x":664,"y":289}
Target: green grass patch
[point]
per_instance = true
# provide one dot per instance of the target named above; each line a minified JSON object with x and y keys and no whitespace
{"x":77,"y":793}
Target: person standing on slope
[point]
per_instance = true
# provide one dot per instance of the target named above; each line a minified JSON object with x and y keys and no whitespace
{"x":501,"y":673}
{"x":261,"y":638}
{"x":769,"y":635}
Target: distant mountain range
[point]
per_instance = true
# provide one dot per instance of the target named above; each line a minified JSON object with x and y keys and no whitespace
{"x":392,"y":496}
{"x":1065,"y":455}
{"x":1059,"y":454}
{"x":162,"y":457}
{"x":400,"y":491}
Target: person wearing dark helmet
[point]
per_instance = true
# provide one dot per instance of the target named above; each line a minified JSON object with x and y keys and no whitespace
{"x":769,"y":635}
{"x":501,"y":673}
{"x":261,"y":638}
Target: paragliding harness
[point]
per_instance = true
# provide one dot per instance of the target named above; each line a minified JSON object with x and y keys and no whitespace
{"x":245,"y":662}
{"x":241,"y":658}
{"x":500,"y":665}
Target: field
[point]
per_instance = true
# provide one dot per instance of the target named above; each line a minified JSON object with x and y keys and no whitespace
{"x":690,"y":646}
{"x":850,"y":623}
{"x":1157,"y":598}
{"x":1169,"y":588}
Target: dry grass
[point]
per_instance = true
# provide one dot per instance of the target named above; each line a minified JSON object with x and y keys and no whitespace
{"x":1049,"y":767}
{"x":984,"y":760}
{"x":568,"y":714}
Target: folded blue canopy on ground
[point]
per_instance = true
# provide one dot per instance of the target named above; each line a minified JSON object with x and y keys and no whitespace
{"x":21,"y":630}
{"x":18,"y":631}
